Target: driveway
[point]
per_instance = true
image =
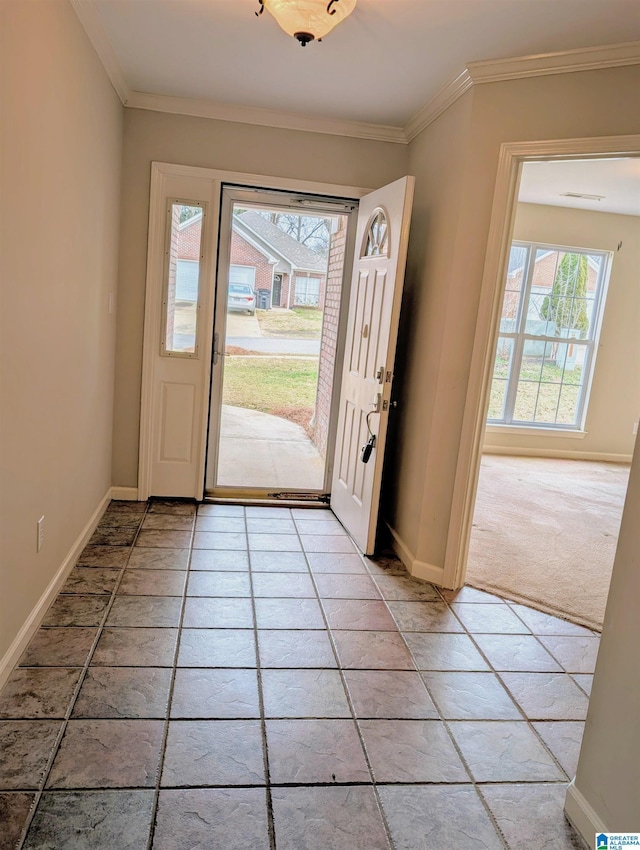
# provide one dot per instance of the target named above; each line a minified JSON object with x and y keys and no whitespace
{"x":242,"y":325}
{"x":271,"y":345}
{"x":243,"y":331}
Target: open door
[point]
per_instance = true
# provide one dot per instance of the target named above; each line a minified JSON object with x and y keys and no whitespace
{"x":374,"y":308}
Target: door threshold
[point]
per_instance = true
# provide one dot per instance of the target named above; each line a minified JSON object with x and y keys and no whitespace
{"x":270,"y":499}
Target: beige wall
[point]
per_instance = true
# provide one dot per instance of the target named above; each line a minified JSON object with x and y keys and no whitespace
{"x":60,"y":187}
{"x":585,"y":104}
{"x":437,"y":159}
{"x":153,"y":136}
{"x":614,"y":404}
{"x":608,"y":775}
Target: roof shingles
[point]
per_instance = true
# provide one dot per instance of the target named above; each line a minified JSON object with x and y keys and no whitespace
{"x":296,"y":253}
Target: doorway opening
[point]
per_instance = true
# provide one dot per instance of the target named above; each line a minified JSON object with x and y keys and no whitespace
{"x":561,"y":422}
{"x":277,"y":339}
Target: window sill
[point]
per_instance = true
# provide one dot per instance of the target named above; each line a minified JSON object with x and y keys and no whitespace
{"x":528,"y":431}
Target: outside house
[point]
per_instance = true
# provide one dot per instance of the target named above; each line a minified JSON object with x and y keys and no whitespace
{"x":283,"y":272}
{"x":545,"y":267}
{"x":289,"y":274}
{"x":539,"y":370}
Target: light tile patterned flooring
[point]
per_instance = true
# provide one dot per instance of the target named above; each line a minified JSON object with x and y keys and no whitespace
{"x":243,"y":679}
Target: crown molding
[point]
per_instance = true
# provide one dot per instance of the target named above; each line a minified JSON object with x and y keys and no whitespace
{"x":563,"y":62}
{"x":89,"y":17}
{"x":447,"y":96}
{"x":475,"y":73}
{"x":264,"y":117}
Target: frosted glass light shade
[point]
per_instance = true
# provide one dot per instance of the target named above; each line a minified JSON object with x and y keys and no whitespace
{"x":309,"y":19}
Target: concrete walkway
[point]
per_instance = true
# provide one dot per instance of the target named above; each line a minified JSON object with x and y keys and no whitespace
{"x":263,"y":451}
{"x":243,"y":331}
{"x":243,"y":325}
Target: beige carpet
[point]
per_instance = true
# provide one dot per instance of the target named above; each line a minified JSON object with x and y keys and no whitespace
{"x":545,"y":533}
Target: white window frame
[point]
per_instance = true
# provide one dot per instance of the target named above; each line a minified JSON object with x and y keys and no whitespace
{"x":305,"y":279}
{"x":520,"y":337}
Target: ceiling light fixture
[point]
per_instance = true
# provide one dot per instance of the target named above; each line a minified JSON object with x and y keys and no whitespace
{"x":308,"y":20}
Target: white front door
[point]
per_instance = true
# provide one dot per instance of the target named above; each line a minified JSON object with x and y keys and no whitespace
{"x":179,"y":316}
{"x":374,"y":309}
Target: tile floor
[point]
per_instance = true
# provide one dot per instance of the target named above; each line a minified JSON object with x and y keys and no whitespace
{"x":243,"y":679}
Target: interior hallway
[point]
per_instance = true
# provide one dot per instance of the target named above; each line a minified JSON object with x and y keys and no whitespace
{"x":242,"y":678}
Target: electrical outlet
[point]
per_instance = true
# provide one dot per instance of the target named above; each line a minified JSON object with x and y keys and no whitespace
{"x":635,"y":429}
{"x":40,"y":533}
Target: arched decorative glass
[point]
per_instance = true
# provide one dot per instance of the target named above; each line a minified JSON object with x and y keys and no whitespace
{"x":376,"y":242}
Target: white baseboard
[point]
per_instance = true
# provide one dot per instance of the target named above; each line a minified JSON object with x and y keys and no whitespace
{"x":127,"y":494}
{"x":400,"y":548}
{"x":556,"y":453}
{"x":428,"y":572}
{"x":32,"y":623}
{"x":418,"y":569}
{"x":582,"y":816}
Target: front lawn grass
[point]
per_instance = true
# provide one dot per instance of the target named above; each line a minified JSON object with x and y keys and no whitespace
{"x":546,"y":392}
{"x":299,"y":323}
{"x":270,"y":384}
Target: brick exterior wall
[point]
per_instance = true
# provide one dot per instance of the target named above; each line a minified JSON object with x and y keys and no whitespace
{"x":173,"y":265}
{"x":244,"y":254}
{"x":329,"y":337}
{"x":189,"y":240}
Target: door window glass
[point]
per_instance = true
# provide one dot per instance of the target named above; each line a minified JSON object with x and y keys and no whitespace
{"x":183,"y":257}
{"x":377,"y":238}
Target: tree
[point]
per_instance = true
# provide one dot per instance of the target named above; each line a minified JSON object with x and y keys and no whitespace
{"x":187,"y":212}
{"x":567,"y":304}
{"x":309,"y":230}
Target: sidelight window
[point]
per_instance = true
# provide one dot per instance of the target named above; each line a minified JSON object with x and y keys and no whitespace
{"x":183,"y":261}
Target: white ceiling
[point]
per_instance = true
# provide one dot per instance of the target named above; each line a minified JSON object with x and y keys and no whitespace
{"x":380,"y":66}
{"x":618,"y":180}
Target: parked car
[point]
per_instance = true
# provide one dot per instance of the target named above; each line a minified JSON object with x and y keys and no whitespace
{"x":241,"y":297}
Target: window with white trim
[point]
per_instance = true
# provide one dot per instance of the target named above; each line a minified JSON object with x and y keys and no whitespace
{"x":549,"y":323}
{"x":307,"y":292}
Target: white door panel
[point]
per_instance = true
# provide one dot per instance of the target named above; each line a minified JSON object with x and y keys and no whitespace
{"x":177,"y":422}
{"x":177,"y":355}
{"x":374,"y":309}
